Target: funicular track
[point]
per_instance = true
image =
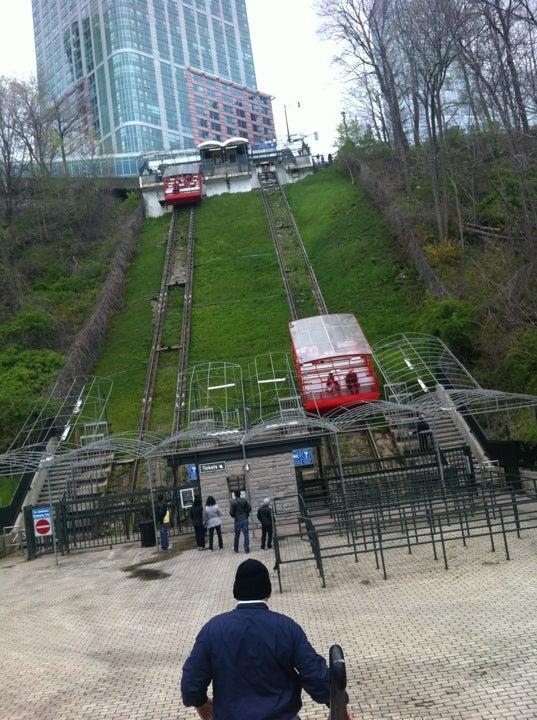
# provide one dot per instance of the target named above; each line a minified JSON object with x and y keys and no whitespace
{"x":287,"y":240}
{"x":159,"y":319}
{"x":180,"y":395}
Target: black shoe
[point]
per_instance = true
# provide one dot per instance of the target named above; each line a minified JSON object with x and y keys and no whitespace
{"x":262,"y":548}
{"x":235,"y":551}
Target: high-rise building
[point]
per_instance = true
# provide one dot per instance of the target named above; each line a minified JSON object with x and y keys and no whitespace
{"x":152,"y":74}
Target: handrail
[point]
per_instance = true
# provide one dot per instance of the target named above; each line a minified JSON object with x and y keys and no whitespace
{"x":338,"y":683}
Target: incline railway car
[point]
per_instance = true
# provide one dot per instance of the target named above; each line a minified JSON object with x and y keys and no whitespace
{"x":333,"y":362}
{"x":183,"y":184}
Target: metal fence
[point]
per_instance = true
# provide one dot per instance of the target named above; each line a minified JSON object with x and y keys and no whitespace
{"x":104,"y":520}
{"x":490,"y":506}
{"x":389,"y":480}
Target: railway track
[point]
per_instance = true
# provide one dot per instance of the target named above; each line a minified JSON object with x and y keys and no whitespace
{"x":152,"y":365}
{"x":298,"y":276}
{"x":180,"y":394}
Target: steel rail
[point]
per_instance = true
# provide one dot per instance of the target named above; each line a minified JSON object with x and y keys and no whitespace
{"x":373,"y":444}
{"x":152,"y":364}
{"x":319,"y":299}
{"x":180,"y":394}
{"x":279,"y":253}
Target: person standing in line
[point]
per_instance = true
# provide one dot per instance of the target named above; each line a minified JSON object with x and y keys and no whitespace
{"x":240,"y":511}
{"x":212,"y":519}
{"x":196,"y":516}
{"x":264,"y":515}
{"x":162,"y":516}
{"x":258,"y":661}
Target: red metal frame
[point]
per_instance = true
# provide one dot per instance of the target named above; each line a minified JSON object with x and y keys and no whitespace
{"x":183,"y":189}
{"x":325,"y":400}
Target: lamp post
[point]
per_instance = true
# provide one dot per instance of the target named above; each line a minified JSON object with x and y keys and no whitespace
{"x":287,"y":120}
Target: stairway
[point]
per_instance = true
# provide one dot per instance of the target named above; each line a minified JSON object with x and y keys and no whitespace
{"x":84,"y":475}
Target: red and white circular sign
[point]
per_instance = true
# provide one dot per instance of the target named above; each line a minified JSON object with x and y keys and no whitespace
{"x":43,"y":527}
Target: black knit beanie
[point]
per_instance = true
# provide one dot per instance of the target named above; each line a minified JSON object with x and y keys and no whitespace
{"x":252,"y":581}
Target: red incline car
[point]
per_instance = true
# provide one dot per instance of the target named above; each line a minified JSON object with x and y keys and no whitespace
{"x":183,"y":184}
{"x":333,"y":361}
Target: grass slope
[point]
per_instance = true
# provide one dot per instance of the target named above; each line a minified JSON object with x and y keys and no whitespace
{"x":353,"y":255}
{"x":239,"y":307}
{"x":7,"y":488}
{"x":129,"y":341}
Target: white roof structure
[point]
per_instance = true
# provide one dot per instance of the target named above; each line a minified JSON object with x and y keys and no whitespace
{"x":225,"y":144}
{"x":328,"y":336}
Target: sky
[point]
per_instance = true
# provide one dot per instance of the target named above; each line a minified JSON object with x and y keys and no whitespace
{"x":292,"y":63}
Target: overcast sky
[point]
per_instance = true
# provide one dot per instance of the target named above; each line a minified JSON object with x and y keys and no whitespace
{"x":292,"y":63}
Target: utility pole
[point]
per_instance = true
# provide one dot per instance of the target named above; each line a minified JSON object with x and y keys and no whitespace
{"x":287,"y":120}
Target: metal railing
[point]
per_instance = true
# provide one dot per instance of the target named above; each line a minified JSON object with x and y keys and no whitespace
{"x":13,"y":539}
{"x":491,"y":507}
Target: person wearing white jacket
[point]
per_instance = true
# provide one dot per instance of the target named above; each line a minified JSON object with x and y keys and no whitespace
{"x":212,"y":519}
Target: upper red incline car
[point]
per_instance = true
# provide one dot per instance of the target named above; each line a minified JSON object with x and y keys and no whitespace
{"x":183,"y":184}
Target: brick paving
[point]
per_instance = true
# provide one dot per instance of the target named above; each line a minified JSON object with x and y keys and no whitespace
{"x":90,"y":640}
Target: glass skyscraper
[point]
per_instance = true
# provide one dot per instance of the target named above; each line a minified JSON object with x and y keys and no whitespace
{"x":152,"y":74}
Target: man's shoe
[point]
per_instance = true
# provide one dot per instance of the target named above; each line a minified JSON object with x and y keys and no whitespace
{"x":235,"y":551}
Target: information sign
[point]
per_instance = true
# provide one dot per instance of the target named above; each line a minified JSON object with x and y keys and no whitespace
{"x":187,"y":497}
{"x":192,"y":472}
{"x":42,"y":518}
{"x":212,"y":467}
{"x":303,"y":456}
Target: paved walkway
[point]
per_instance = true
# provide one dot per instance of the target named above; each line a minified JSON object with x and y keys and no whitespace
{"x":94,"y":639}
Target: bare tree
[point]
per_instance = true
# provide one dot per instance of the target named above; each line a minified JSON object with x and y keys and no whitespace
{"x":11,"y":149}
{"x":365,"y":31}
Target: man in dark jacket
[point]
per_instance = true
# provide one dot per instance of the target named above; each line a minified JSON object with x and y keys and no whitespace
{"x":264,"y":515}
{"x":257,"y":660}
{"x":240,"y":511}
{"x":196,"y":516}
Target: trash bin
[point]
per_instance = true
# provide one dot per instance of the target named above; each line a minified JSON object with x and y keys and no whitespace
{"x":147,"y":534}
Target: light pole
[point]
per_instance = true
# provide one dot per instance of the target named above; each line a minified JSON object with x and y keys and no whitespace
{"x":287,"y":120}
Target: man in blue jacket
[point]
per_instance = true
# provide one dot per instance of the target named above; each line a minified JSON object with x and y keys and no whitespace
{"x":257,"y":660}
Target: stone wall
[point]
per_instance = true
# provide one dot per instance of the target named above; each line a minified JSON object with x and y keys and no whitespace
{"x":271,"y":476}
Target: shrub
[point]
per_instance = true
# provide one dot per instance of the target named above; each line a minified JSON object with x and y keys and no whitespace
{"x":520,"y":363}
{"x":442,"y":254}
{"x":453,"y":321}
{"x":29,"y":328}
{"x":23,"y":375}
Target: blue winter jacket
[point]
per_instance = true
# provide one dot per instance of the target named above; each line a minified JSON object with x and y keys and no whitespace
{"x":258,"y":662}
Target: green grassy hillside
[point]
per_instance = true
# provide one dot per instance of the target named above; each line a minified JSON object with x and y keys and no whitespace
{"x":239,"y":306}
{"x":353,"y":255}
{"x":129,"y":338}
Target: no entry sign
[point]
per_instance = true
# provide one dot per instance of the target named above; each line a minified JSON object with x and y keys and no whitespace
{"x":42,"y":521}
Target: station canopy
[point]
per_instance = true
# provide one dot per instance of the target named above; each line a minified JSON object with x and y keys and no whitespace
{"x":328,"y":336}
